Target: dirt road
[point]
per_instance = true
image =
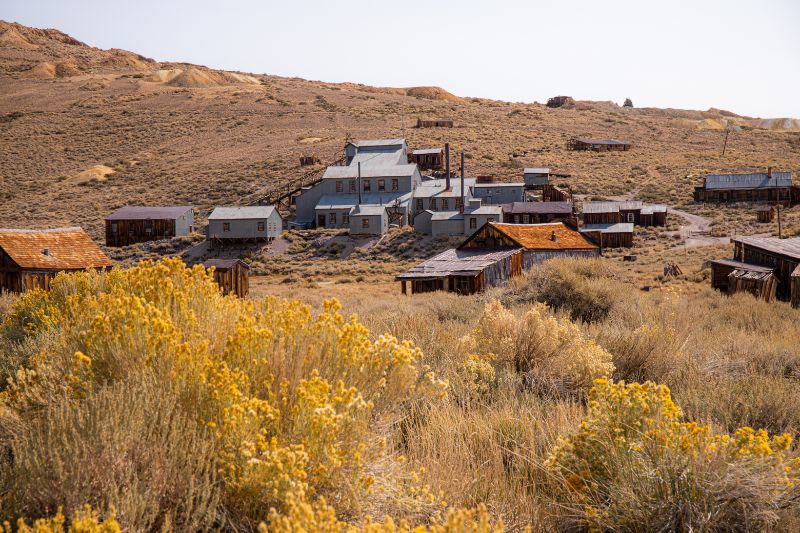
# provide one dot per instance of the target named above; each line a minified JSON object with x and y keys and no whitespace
{"x":695,"y":232}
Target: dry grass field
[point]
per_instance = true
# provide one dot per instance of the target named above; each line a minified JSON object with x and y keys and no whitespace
{"x":587,"y":395}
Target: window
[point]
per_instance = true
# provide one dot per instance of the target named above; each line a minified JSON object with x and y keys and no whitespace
{"x":630,"y":217}
{"x":367,"y":186}
{"x":352,"y":185}
{"x":332,"y":218}
{"x":365,"y":222}
{"x":226,"y":226}
{"x":114,"y":228}
{"x":473,"y":222}
{"x":445,"y":204}
{"x":260,"y":226}
{"x":490,"y":219}
{"x":346,"y":219}
{"x":395,"y":184}
{"x":381,"y":185}
{"x":459,"y":204}
{"x":526,"y":219}
{"x":339,"y":186}
{"x":420,"y":204}
{"x":432,"y":204}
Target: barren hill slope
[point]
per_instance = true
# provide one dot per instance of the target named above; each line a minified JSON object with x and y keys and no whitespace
{"x":186,"y":134}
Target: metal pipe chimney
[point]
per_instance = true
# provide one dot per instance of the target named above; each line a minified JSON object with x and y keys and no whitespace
{"x":358,"y":185}
{"x":447,"y":164}
{"x":462,"y":181}
{"x":769,"y":172}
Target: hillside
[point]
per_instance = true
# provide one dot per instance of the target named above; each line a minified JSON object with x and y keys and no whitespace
{"x":187,"y":134}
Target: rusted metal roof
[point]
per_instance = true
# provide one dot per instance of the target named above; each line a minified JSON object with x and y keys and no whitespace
{"x":757,"y":180}
{"x":558,"y":208}
{"x":540,"y":236}
{"x":786,"y":247}
{"x":738,"y":265}
{"x":52,"y":249}
{"x":134,"y":212}
{"x":453,"y":262}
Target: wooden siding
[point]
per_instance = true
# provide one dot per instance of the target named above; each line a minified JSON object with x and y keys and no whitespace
{"x":782,"y":195}
{"x":435,"y":123}
{"x":428,"y":161}
{"x":13,"y":278}
{"x":760,"y":284}
{"x":783,"y":265}
{"x":602,"y":218}
{"x":138,"y":230}
{"x":765,"y":215}
{"x":494,"y":275}
{"x":234,"y":280}
{"x":611,"y":240}
{"x":577,"y":144}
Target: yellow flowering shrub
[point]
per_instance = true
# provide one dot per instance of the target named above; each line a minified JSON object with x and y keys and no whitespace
{"x":634,"y":435}
{"x":286,"y":395}
{"x":84,"y":521}
{"x":542,"y":344}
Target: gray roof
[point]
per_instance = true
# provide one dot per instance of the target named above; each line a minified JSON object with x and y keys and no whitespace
{"x":425,"y":151}
{"x":741,"y":266}
{"x":468,"y":262}
{"x":497,"y":184}
{"x":346,"y":201}
{"x":560,"y":208}
{"x":378,"y":142}
{"x":370,"y":171}
{"x":787,"y":247}
{"x":757,"y":180}
{"x":621,"y":227}
{"x":541,"y":170}
{"x":484,"y":210}
{"x":611,"y":207}
{"x":650,"y":209}
{"x":133,"y":212}
{"x":446,"y":215}
{"x":368,"y":210}
{"x":435,"y":188}
{"x":602,"y":141}
{"x":241,"y":213}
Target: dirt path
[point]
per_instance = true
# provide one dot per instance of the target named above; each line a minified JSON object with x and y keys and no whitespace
{"x":695,"y":232}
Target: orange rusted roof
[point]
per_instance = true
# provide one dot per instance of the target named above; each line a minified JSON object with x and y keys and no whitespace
{"x":539,"y":236}
{"x":52,"y":249}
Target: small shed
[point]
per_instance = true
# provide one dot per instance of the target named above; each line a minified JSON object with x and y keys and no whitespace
{"x":132,"y":224}
{"x":434,"y":123}
{"x":242,"y":224}
{"x":232,"y":275}
{"x":30,"y":259}
{"x":726,"y":273}
{"x":765,"y":214}
{"x":536,"y":178}
{"x":619,"y":235}
{"x":369,"y":220}
{"x":428,"y":158}
{"x":653,"y":215}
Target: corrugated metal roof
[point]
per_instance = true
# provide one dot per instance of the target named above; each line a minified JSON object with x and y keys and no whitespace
{"x":539,"y":236}
{"x":436,"y":188}
{"x":241,"y":213}
{"x":135,"y":212}
{"x":620,"y":227}
{"x":223,"y":264}
{"x":368,"y":210}
{"x":541,"y":170}
{"x":370,"y":171}
{"x":469,"y":262}
{"x":650,"y":209}
{"x":741,"y":266}
{"x":788,"y":247}
{"x":343,"y":201}
{"x":427,"y":151}
{"x":602,"y":141}
{"x":497,"y":184}
{"x":378,"y":142}
{"x":611,"y":207}
{"x":67,"y":249}
{"x":446,"y":215}
{"x":484,"y":210}
{"x":756,"y":180}
{"x":558,"y":208}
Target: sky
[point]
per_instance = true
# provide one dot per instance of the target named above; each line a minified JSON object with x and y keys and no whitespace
{"x":743,"y":56}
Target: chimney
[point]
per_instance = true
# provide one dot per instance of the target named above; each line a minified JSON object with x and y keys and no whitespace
{"x":553,"y":236}
{"x":769,"y":172}
{"x":447,"y":163}
{"x":358,"y":185}
{"x":45,"y":252}
{"x":462,"y":181}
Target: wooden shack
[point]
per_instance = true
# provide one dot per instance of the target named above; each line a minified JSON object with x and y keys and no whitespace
{"x":552,"y":193}
{"x":30,"y":259}
{"x":631,"y":211}
{"x":618,"y":235}
{"x":132,"y":224}
{"x":538,"y":212}
{"x":781,"y":255}
{"x":599,"y":145}
{"x":434,"y":123}
{"x":232,"y":275}
{"x":770,"y":187}
{"x":765,"y":214}
{"x":309,"y":160}
{"x":428,"y":158}
{"x":731,"y":276}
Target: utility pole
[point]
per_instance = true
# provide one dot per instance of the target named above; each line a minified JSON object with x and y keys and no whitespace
{"x":780,"y":229}
{"x":725,"y":145}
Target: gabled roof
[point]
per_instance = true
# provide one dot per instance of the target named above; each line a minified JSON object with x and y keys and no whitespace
{"x":757,"y":180}
{"x":134,"y":212}
{"x":539,"y":236}
{"x":469,"y":262}
{"x":241,"y":213}
{"x":558,"y":208}
{"x":66,"y":249}
{"x":787,"y":247}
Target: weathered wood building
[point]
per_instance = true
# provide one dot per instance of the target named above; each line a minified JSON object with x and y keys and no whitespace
{"x":765,"y":214}
{"x":428,"y":158}
{"x":614,"y":235}
{"x":434,"y":123}
{"x":536,"y":178}
{"x":232,"y":275}
{"x":30,"y":259}
{"x":781,"y":255}
{"x":731,"y":276}
{"x":244,"y":224}
{"x":631,"y":211}
{"x":132,"y":224}
{"x":539,"y":212}
{"x":767,"y":187}
{"x":599,"y":145}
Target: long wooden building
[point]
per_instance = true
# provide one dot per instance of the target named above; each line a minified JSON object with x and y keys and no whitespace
{"x":132,"y":224}
{"x":599,"y":145}
{"x":30,"y":259}
{"x":764,"y":187}
{"x":539,"y":212}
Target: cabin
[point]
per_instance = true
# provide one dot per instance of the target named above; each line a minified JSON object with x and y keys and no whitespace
{"x":599,"y":145}
{"x":613,"y":235}
{"x":244,"y":224}
{"x":539,"y":212}
{"x":552,"y":193}
{"x":499,"y":193}
{"x":232,"y":275}
{"x":309,"y":160}
{"x":30,"y":259}
{"x":653,"y":215}
{"x":132,"y":224}
{"x":368,"y":220}
{"x":630,"y":211}
{"x":765,"y":214}
{"x":781,"y":255}
{"x":428,"y":158}
{"x":536,"y":178}
{"x":731,"y":276}
{"x":435,"y":123}
{"x":770,"y":187}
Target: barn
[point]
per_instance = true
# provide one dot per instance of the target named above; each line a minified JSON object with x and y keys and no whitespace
{"x":30,"y":259}
{"x":241,"y":224}
{"x":132,"y":224}
{"x":232,"y":275}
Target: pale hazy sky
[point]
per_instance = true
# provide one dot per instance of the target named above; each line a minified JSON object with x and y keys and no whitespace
{"x":738,"y":55}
